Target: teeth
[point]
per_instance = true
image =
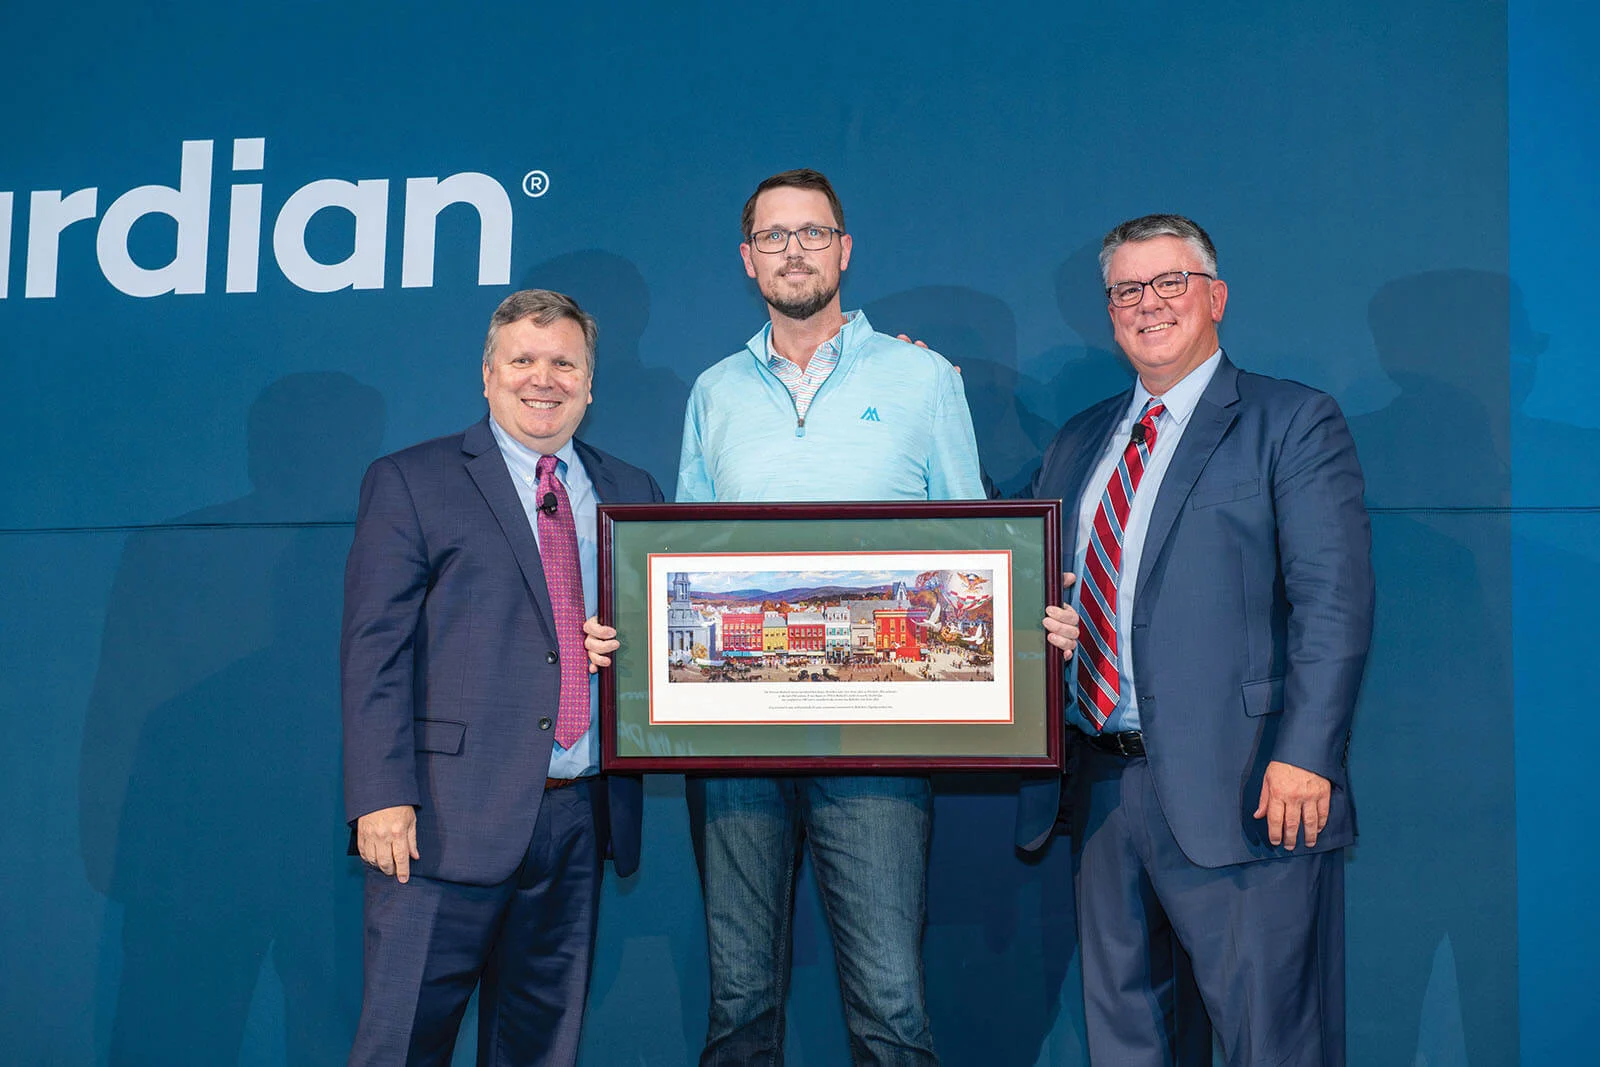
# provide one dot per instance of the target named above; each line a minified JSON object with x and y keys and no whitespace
{"x":542,"y":405}
{"x":1157,"y":326}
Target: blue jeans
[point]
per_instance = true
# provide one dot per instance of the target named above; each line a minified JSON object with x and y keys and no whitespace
{"x":869,"y":847}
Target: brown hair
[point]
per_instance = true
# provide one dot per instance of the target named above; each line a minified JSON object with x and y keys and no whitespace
{"x":803,"y":178}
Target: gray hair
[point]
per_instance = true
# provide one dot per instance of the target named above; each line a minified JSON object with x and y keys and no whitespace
{"x":1146,"y":228}
{"x":543,"y":306}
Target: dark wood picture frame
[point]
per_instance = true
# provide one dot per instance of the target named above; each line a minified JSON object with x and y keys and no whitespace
{"x":1030,"y":530}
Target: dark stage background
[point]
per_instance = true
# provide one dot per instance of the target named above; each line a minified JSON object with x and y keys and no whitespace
{"x":1403,"y":198}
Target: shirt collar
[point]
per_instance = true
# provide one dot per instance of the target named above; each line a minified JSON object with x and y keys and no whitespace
{"x":836,"y":342}
{"x":1181,"y":399}
{"x":524,"y":461}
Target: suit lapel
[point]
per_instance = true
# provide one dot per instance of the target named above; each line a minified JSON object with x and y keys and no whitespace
{"x":594,"y":464}
{"x":1212,"y":416}
{"x":488,"y":471}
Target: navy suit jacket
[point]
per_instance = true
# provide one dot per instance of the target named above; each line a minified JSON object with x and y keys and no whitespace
{"x":1253,"y":610}
{"x":449,"y":674}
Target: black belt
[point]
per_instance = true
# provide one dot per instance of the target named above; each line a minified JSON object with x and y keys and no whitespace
{"x":1127,"y":744}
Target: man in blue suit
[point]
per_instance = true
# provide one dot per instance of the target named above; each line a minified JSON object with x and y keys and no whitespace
{"x":1216,"y":526}
{"x":469,"y":743}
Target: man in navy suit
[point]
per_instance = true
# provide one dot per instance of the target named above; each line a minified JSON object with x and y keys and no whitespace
{"x":469,"y":743}
{"x":1216,"y":527}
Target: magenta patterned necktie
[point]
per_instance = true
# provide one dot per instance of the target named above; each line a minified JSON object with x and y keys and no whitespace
{"x":563,"y":577}
{"x":1099,"y":659}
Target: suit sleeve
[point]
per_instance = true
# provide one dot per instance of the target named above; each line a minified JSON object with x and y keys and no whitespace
{"x":1325,"y":551}
{"x":952,"y":471}
{"x":694,"y":481}
{"x":386,"y":580}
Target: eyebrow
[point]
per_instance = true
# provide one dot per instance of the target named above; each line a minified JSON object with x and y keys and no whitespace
{"x":1153,"y":277}
{"x":802,"y":226}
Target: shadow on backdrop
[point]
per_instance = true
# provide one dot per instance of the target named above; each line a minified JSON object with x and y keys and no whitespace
{"x":1556,"y":565}
{"x":210,"y":789}
{"x":638,"y":410}
{"x":1433,"y":880}
{"x":1001,"y":930}
{"x":978,"y":333}
{"x":1062,"y":381}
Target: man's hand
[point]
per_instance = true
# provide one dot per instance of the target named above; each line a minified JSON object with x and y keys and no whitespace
{"x":599,"y":641}
{"x":387,"y":840}
{"x":1061,"y":624}
{"x":1293,"y":799}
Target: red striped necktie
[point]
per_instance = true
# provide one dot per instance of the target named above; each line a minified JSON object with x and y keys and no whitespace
{"x":563,"y":577}
{"x":1099,"y":664}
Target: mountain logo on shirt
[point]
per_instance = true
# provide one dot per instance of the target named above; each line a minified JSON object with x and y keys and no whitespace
{"x":870,"y":415}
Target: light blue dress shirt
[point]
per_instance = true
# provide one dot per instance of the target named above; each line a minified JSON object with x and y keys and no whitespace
{"x":1180,"y":402}
{"x":583,"y":758}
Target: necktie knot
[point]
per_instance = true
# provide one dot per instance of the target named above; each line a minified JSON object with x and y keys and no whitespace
{"x":546,"y":466}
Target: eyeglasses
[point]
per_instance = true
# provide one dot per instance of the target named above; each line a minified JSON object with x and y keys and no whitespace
{"x":1168,"y":285}
{"x":811,"y":238}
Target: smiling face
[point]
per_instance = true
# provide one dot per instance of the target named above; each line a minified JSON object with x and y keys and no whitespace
{"x":537,"y":382}
{"x":796,"y":283}
{"x":1165,"y":338}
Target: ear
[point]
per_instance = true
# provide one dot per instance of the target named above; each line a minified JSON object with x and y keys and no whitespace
{"x":486,"y":369}
{"x":749,"y":264}
{"x":1219,"y":299}
{"x":844,"y":251}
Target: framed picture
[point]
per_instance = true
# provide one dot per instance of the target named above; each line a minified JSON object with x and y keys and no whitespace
{"x":830,"y":637}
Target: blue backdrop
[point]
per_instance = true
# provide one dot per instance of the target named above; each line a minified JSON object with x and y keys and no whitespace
{"x":195,"y":376}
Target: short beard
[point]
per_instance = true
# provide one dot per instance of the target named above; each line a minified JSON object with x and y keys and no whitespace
{"x":805,"y":307}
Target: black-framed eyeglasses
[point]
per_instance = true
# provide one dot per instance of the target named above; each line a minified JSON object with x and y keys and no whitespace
{"x":811,"y":238}
{"x":1168,"y":285}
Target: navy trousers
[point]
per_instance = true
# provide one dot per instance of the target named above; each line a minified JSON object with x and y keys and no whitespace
{"x":529,"y":940}
{"x":1260,"y":944}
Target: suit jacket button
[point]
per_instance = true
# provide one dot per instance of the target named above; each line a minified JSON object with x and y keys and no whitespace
{"x":544,"y":723}
{"x":551,"y":657}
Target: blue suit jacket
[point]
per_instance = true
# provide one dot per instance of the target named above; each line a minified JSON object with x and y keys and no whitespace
{"x":1253,"y":612}
{"x":450,"y":685}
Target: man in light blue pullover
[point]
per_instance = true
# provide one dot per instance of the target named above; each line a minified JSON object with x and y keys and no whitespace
{"x":818,"y":406}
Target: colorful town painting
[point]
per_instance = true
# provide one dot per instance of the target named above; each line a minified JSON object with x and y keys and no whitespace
{"x":830,"y":626}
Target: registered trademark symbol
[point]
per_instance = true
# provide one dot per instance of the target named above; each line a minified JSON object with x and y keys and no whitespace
{"x":536,"y":183}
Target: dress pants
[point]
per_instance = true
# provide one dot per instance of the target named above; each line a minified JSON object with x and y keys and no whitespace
{"x":868,"y":838}
{"x":1262,"y":944}
{"x":529,"y":939}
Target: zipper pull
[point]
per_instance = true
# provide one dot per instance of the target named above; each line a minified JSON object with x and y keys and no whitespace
{"x":800,"y":426}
